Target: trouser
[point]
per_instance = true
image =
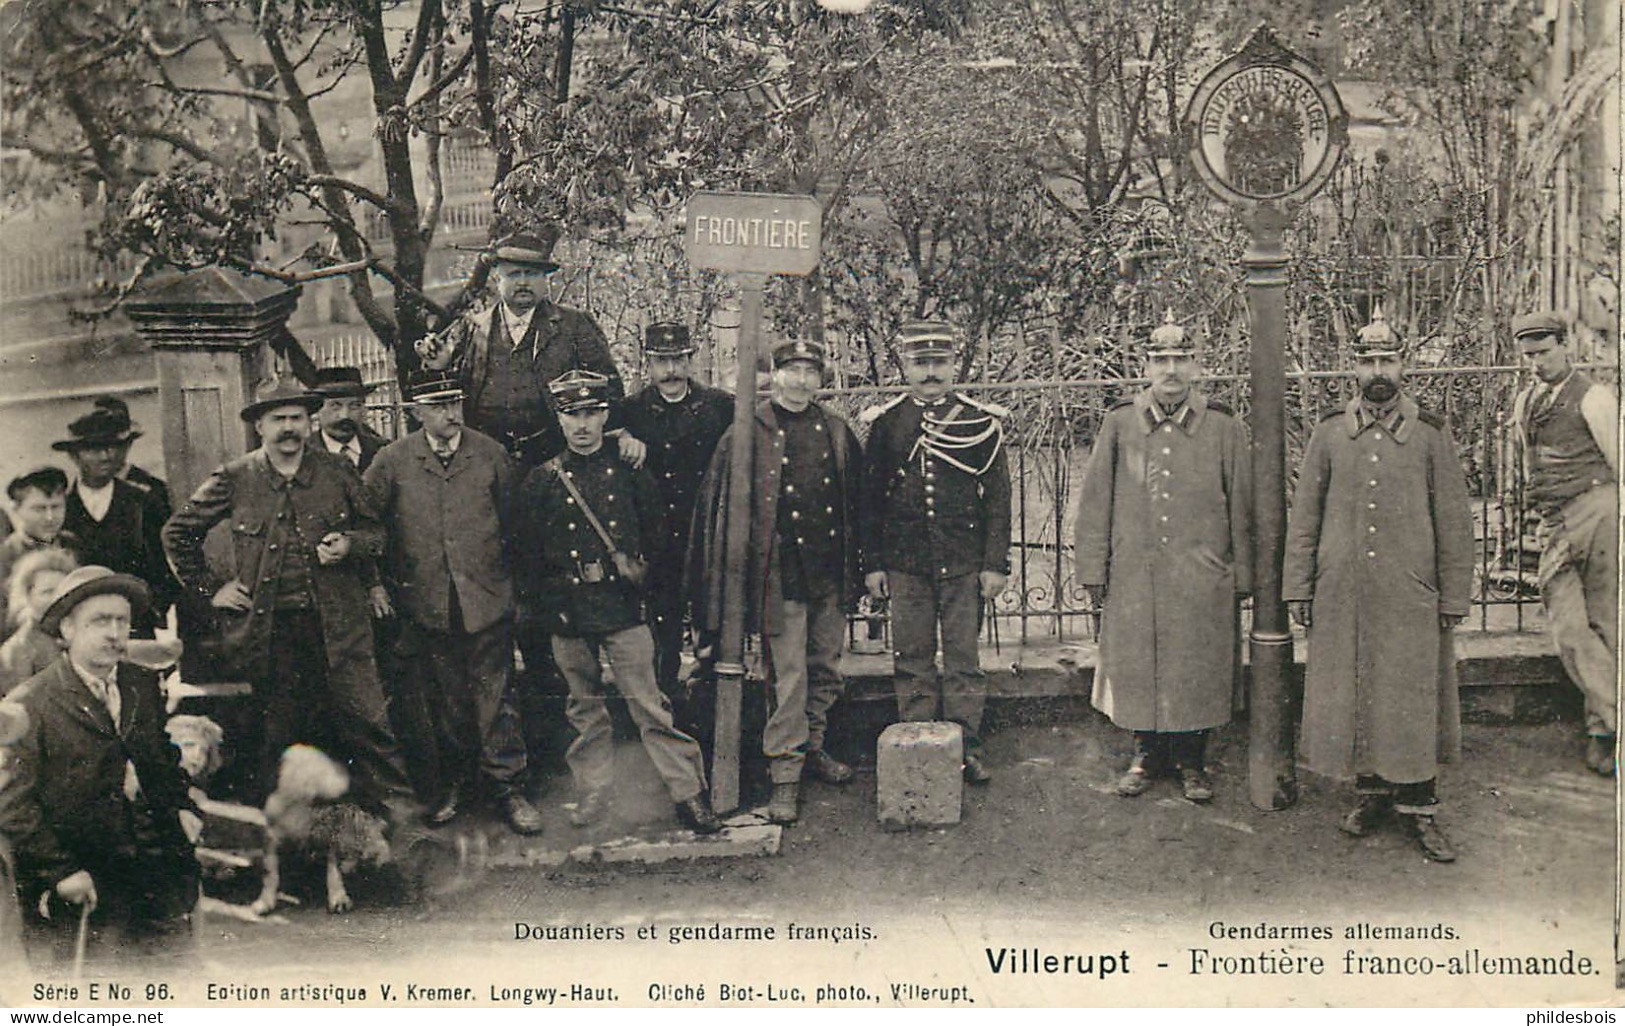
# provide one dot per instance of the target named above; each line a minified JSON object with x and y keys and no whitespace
{"x":539,"y":695}
{"x":1414,"y":799}
{"x":676,"y":756}
{"x":1579,"y":586}
{"x":803,"y":661}
{"x":1181,"y":749}
{"x":344,"y":715}
{"x":144,"y":903}
{"x":406,"y":695}
{"x":665,"y":606}
{"x":468,"y":681}
{"x":918,"y":606}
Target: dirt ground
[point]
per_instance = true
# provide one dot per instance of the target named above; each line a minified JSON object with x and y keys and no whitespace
{"x":1046,"y":855}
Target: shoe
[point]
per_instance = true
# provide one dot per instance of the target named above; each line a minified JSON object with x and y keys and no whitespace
{"x":696,"y":814}
{"x":974,"y":772}
{"x":1600,"y":754}
{"x":1197,"y":785}
{"x":1367,"y":815}
{"x":590,"y":809}
{"x":785,"y":805}
{"x":827,"y":768}
{"x":1430,"y":836}
{"x":448,"y":808}
{"x":521,"y":815}
{"x":1133,"y":783}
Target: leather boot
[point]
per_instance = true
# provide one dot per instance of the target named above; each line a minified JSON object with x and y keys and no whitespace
{"x":1367,"y":815}
{"x":785,"y":805}
{"x":827,"y":768}
{"x":1430,"y":837}
{"x":1600,"y":754}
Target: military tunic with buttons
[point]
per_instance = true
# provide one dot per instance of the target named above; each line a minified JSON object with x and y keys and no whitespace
{"x":1380,"y":540}
{"x":681,"y":437}
{"x":567,"y":574}
{"x":1164,"y":523}
{"x":936,"y":512}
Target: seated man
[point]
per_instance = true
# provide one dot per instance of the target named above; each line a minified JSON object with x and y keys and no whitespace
{"x":91,"y":808}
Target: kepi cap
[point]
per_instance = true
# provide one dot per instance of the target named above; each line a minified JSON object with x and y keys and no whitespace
{"x":926,"y":338}
{"x":88,"y":582}
{"x":667,"y":338}
{"x":579,"y":390}
{"x":434,"y":386}
{"x":792,"y":349}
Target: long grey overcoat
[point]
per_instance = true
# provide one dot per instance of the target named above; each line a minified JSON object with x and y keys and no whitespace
{"x":1164,"y":522}
{"x":1380,"y":540}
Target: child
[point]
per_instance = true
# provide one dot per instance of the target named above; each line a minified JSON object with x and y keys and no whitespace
{"x":38,"y":508}
{"x":33,"y":585}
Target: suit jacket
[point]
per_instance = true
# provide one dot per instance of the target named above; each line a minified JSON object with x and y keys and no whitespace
{"x":372,"y":443}
{"x":127,"y":540}
{"x":64,"y":808}
{"x":445,"y":528}
{"x":324,"y":495}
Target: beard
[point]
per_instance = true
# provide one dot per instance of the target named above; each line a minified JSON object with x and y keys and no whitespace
{"x":1379,"y":390}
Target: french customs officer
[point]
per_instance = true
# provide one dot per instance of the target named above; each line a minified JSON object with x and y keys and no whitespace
{"x":936,"y":531}
{"x":681,"y":421}
{"x":1567,"y":432}
{"x":445,"y":494}
{"x":297,"y":612}
{"x":802,"y":571}
{"x":1379,"y":566}
{"x":588,"y":524}
{"x":1164,"y":546}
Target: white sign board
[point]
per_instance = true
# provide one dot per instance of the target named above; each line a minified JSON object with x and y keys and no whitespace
{"x":756,"y":232}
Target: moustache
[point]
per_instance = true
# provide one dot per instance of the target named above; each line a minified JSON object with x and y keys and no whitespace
{"x":287,"y":436}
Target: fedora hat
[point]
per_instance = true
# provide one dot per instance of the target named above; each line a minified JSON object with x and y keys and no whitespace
{"x":532,"y":248}
{"x":105,"y":425}
{"x":280,"y":392}
{"x":340,"y":383}
{"x":88,"y":582}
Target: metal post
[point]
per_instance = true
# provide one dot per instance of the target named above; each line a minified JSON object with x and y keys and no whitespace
{"x":731,"y":650}
{"x":1271,"y":778}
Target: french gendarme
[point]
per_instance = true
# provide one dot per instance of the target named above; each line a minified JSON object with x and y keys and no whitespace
{"x":759,"y":232}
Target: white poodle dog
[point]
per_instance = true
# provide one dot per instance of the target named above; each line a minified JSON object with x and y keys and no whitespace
{"x":305,"y":813}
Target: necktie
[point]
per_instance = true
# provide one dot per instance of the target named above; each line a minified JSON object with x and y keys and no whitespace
{"x":352,"y":452}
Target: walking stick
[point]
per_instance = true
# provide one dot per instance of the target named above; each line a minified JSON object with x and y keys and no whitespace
{"x":79,"y":940}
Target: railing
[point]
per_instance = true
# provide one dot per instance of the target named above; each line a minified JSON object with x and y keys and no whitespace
{"x":1051,"y":427}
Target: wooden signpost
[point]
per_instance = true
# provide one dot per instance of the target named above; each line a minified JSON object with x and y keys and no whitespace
{"x":751,"y":235}
{"x":1264,"y":130}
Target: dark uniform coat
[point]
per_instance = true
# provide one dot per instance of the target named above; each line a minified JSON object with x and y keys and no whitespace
{"x":559,"y":339}
{"x":924,"y":516}
{"x":764,"y":583}
{"x":558,"y":543}
{"x":127,"y":541}
{"x":681,"y":437}
{"x":324,"y":495}
{"x":1380,"y":540}
{"x":1164,"y":522}
{"x":446,"y":528}
{"x":64,"y":808}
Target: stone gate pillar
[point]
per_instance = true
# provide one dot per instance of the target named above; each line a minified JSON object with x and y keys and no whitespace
{"x":208,"y":330}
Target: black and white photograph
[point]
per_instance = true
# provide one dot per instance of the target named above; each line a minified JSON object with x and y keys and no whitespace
{"x":810,"y":504}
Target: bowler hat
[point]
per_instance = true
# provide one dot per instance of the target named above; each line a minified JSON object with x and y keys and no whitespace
{"x":1378,"y":338}
{"x":1538,"y":324}
{"x":533,"y":249}
{"x":578,"y":390}
{"x":792,"y":349}
{"x":340,"y":383}
{"x":88,"y":582}
{"x":1171,"y":337}
{"x":432,"y":386}
{"x":280,"y":392}
{"x":926,"y":338}
{"x":100,"y":427}
{"x":668,"y":338}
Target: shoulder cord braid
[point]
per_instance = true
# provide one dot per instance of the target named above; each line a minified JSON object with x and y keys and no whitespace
{"x":938,"y":439}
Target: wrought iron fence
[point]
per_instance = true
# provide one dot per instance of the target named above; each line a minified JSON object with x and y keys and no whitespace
{"x":1050,"y":429}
